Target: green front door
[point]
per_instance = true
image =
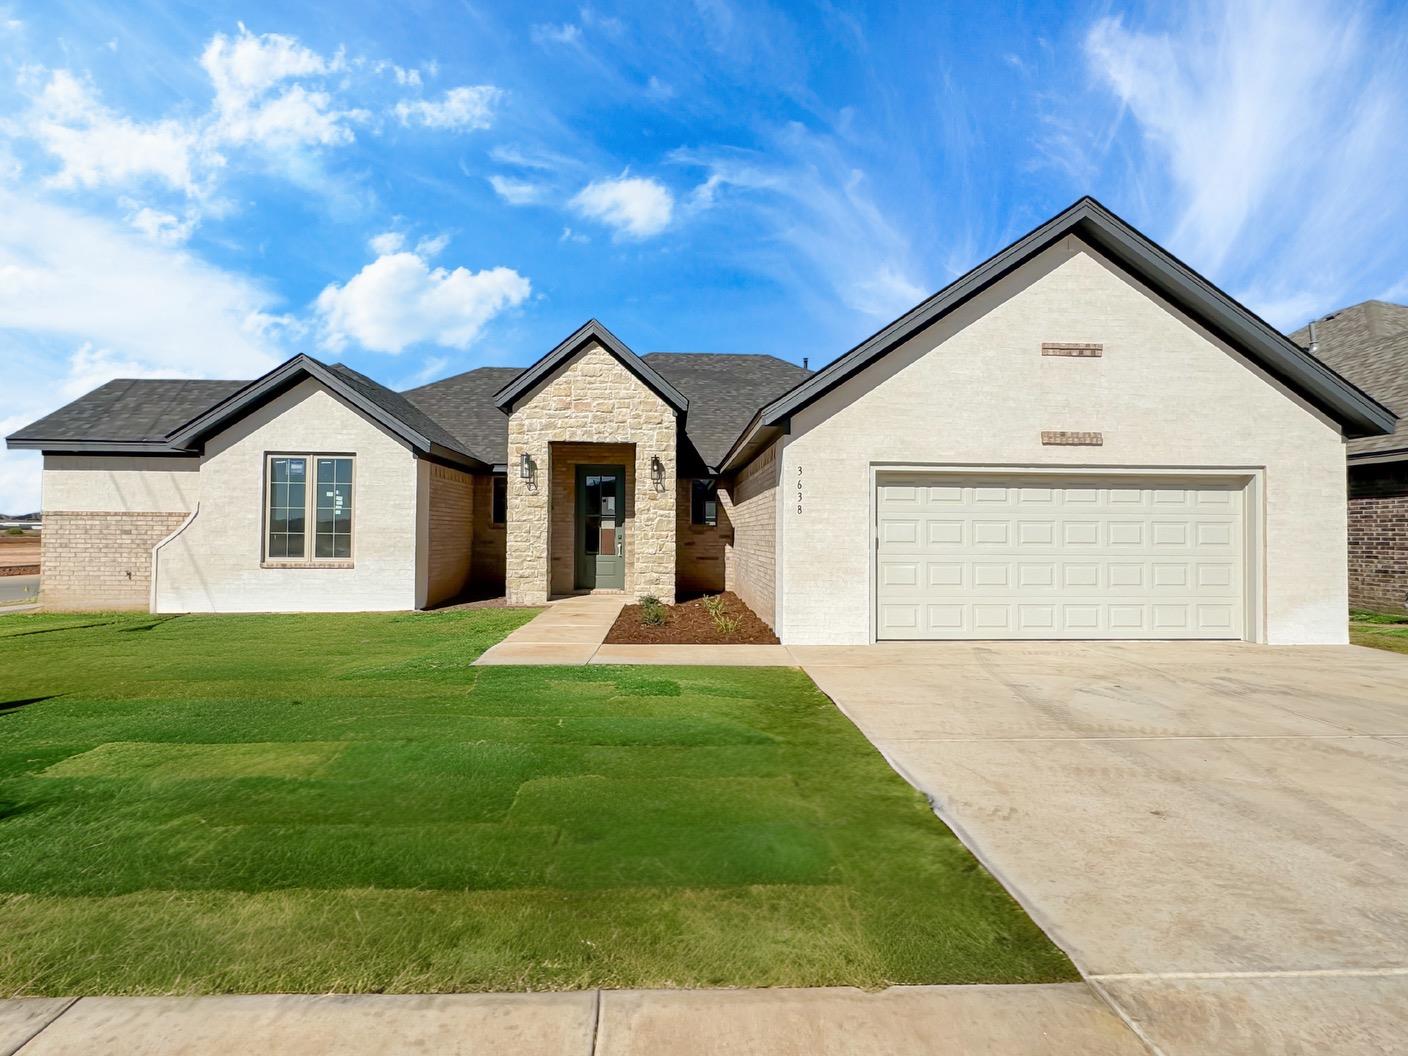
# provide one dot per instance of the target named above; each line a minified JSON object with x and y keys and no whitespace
{"x":601,"y":528}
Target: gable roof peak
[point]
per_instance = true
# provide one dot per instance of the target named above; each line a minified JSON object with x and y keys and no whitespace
{"x":591,"y":330}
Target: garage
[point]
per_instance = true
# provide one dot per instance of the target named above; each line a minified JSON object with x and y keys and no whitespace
{"x":1039,"y":557}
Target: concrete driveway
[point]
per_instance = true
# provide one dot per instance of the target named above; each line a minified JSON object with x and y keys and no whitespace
{"x":1216,"y":833}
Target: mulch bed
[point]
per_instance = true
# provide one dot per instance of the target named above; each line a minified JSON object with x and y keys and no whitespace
{"x":689,"y":623}
{"x":19,"y":570}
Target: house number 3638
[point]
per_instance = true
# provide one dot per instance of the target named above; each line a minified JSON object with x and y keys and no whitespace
{"x":799,"y":489}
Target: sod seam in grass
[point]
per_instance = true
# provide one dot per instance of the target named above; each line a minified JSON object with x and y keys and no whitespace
{"x":341,"y":803}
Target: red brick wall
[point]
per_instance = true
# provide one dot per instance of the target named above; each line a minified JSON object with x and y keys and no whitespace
{"x":1378,"y":537}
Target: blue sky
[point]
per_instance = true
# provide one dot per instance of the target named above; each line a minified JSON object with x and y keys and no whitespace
{"x":204,"y":189}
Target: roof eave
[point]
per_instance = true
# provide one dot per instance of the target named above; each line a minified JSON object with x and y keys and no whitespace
{"x":96,"y":447}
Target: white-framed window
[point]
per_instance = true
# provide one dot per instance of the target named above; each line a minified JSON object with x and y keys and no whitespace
{"x":308,"y":508}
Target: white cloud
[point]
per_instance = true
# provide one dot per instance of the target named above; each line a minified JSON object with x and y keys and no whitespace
{"x":432,"y":245}
{"x":398,"y":300}
{"x":386,"y":243}
{"x":165,"y":229}
{"x":1274,"y":129}
{"x":244,"y":67}
{"x":634,"y":206}
{"x":84,"y":300}
{"x":95,"y":146}
{"x":516,"y":192}
{"x":659,"y":90}
{"x":67,"y":275}
{"x":465,"y":108}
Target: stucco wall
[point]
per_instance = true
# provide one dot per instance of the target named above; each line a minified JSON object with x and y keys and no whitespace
{"x":750,"y":559}
{"x":592,"y":399}
{"x":120,"y":482}
{"x":1378,"y":537}
{"x":451,"y":539}
{"x":974,"y":391}
{"x":699,"y":554}
{"x":215,"y":564}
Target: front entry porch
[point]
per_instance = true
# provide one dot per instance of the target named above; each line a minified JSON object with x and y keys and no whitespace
{"x":591,"y":544}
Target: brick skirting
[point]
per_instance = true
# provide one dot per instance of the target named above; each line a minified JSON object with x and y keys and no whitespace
{"x":100,"y":560}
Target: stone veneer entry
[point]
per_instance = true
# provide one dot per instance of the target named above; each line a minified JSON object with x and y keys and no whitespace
{"x":594,"y":399}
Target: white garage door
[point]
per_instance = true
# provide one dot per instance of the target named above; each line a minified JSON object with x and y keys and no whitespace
{"x":963,"y":557}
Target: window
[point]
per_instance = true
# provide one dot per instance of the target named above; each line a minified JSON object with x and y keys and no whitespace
{"x":703,"y":503}
{"x":295,"y":503}
{"x":498,"y":507}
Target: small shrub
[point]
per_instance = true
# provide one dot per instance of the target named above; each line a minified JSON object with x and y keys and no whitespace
{"x":726,"y":624}
{"x":14,"y":531}
{"x":653,"y":611}
{"x":714,"y":605}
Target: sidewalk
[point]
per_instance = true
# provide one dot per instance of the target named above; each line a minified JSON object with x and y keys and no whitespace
{"x":1045,"y":1020}
{"x":572,"y":630}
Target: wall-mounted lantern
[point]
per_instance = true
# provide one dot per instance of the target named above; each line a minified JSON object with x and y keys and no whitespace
{"x":527,"y":469}
{"x":657,"y":470}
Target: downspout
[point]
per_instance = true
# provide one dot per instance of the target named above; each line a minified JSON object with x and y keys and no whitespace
{"x":156,"y":555}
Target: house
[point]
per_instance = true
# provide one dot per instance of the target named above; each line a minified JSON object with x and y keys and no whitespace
{"x":1368,"y":344}
{"x":1080,"y":438}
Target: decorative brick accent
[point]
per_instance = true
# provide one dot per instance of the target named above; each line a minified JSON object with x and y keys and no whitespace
{"x":1378,"y":537}
{"x":451,"y":533}
{"x":1075,"y":350}
{"x":1058,"y":438}
{"x":699,"y":554}
{"x":594,"y":399}
{"x":100,"y":560}
{"x":750,"y":560}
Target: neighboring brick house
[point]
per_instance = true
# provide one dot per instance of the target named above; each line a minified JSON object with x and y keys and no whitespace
{"x":1368,"y":344}
{"x":1080,"y":438}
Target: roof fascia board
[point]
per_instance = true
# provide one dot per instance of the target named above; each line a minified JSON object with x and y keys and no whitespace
{"x":1368,"y":458}
{"x":531,"y":376}
{"x":1356,"y":411}
{"x":104,"y":447}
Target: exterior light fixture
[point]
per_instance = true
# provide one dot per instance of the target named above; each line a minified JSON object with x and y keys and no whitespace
{"x":525,"y":466}
{"x":657,"y":469}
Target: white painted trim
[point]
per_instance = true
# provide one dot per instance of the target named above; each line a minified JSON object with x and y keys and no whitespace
{"x":1253,"y":517}
{"x":156,"y":554}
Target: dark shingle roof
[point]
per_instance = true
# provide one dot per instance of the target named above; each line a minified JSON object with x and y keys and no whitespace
{"x":129,"y":411}
{"x":457,"y":413}
{"x":398,"y":406}
{"x":464,"y":404}
{"x":1368,"y":344}
{"x":724,"y":392}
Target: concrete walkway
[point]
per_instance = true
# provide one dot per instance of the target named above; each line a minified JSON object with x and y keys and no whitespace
{"x":572,"y":630}
{"x":1051,"y":1020}
{"x":1216,"y":833}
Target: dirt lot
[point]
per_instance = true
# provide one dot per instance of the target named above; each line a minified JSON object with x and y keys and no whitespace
{"x":689,"y":623}
{"x":19,"y":554}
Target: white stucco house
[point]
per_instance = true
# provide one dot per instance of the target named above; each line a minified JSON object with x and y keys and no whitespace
{"x":1080,"y":438}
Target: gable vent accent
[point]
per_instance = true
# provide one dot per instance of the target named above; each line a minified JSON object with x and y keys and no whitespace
{"x":1076,"y":350}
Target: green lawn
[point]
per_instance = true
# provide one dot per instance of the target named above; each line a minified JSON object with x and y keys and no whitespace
{"x":1379,"y":631}
{"x":340,"y":803}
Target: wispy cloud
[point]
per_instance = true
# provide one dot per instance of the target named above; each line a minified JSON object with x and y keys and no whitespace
{"x":1271,"y":132}
{"x":814,"y":218}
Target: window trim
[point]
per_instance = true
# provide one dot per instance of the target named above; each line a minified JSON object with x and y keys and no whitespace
{"x":310,"y":511}
{"x":701,"y":521}
{"x":498,"y":484}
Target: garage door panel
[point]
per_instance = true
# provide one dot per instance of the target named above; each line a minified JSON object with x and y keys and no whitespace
{"x":974,"y":558}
